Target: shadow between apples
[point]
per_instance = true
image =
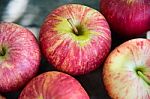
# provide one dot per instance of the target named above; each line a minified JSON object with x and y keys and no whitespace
{"x":93,"y":84}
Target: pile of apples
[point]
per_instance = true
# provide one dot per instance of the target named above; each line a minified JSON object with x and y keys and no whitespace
{"x":76,"y":40}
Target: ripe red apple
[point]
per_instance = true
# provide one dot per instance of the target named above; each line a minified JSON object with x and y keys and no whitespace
{"x":1,"y":97}
{"x":128,"y":18}
{"x":19,"y":56}
{"x":126,"y":71}
{"x":75,"y":39}
{"x":53,"y":85}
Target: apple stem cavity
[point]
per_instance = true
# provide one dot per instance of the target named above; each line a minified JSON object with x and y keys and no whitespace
{"x":73,"y":26}
{"x":140,"y":73}
{"x":2,"y":51}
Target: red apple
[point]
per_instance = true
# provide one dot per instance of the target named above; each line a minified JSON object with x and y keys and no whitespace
{"x":19,"y":56}
{"x":128,"y":18}
{"x":126,"y":71}
{"x":53,"y":85}
{"x":1,"y":97}
{"x":75,"y":39}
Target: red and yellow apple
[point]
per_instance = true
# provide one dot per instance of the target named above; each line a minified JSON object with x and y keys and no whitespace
{"x":19,"y":56}
{"x":75,"y":39}
{"x":129,"y":18}
{"x":53,"y":85}
{"x":126,"y":72}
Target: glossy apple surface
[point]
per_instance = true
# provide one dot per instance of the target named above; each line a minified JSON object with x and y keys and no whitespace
{"x":127,"y":70}
{"x":129,"y":18}
{"x":19,"y":56}
{"x":70,"y":51}
{"x":53,"y":85}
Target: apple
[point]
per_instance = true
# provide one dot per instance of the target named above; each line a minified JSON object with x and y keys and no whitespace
{"x":126,"y":72}
{"x":75,"y":39}
{"x":53,"y":85}
{"x":1,"y":97}
{"x":128,"y":18}
{"x":19,"y":56}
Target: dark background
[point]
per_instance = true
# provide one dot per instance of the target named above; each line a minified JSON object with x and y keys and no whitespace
{"x":32,"y":18}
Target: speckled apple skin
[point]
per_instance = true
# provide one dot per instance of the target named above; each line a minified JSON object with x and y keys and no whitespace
{"x":73,"y":54}
{"x":128,"y":18}
{"x":22,"y":58}
{"x":119,"y":76}
{"x":53,"y":85}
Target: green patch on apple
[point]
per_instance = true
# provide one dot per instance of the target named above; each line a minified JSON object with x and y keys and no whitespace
{"x":83,"y":33}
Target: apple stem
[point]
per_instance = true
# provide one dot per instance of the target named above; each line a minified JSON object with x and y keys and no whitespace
{"x":143,"y":77}
{"x":2,"y":51}
{"x":73,"y":26}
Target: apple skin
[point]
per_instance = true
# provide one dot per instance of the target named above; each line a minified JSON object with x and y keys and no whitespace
{"x":128,"y":18}
{"x":53,"y":85}
{"x":71,"y":53}
{"x":21,"y":59}
{"x":1,"y":97}
{"x":126,"y":72}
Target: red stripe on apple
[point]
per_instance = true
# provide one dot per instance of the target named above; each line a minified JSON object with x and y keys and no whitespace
{"x":129,"y":18}
{"x":53,"y":85}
